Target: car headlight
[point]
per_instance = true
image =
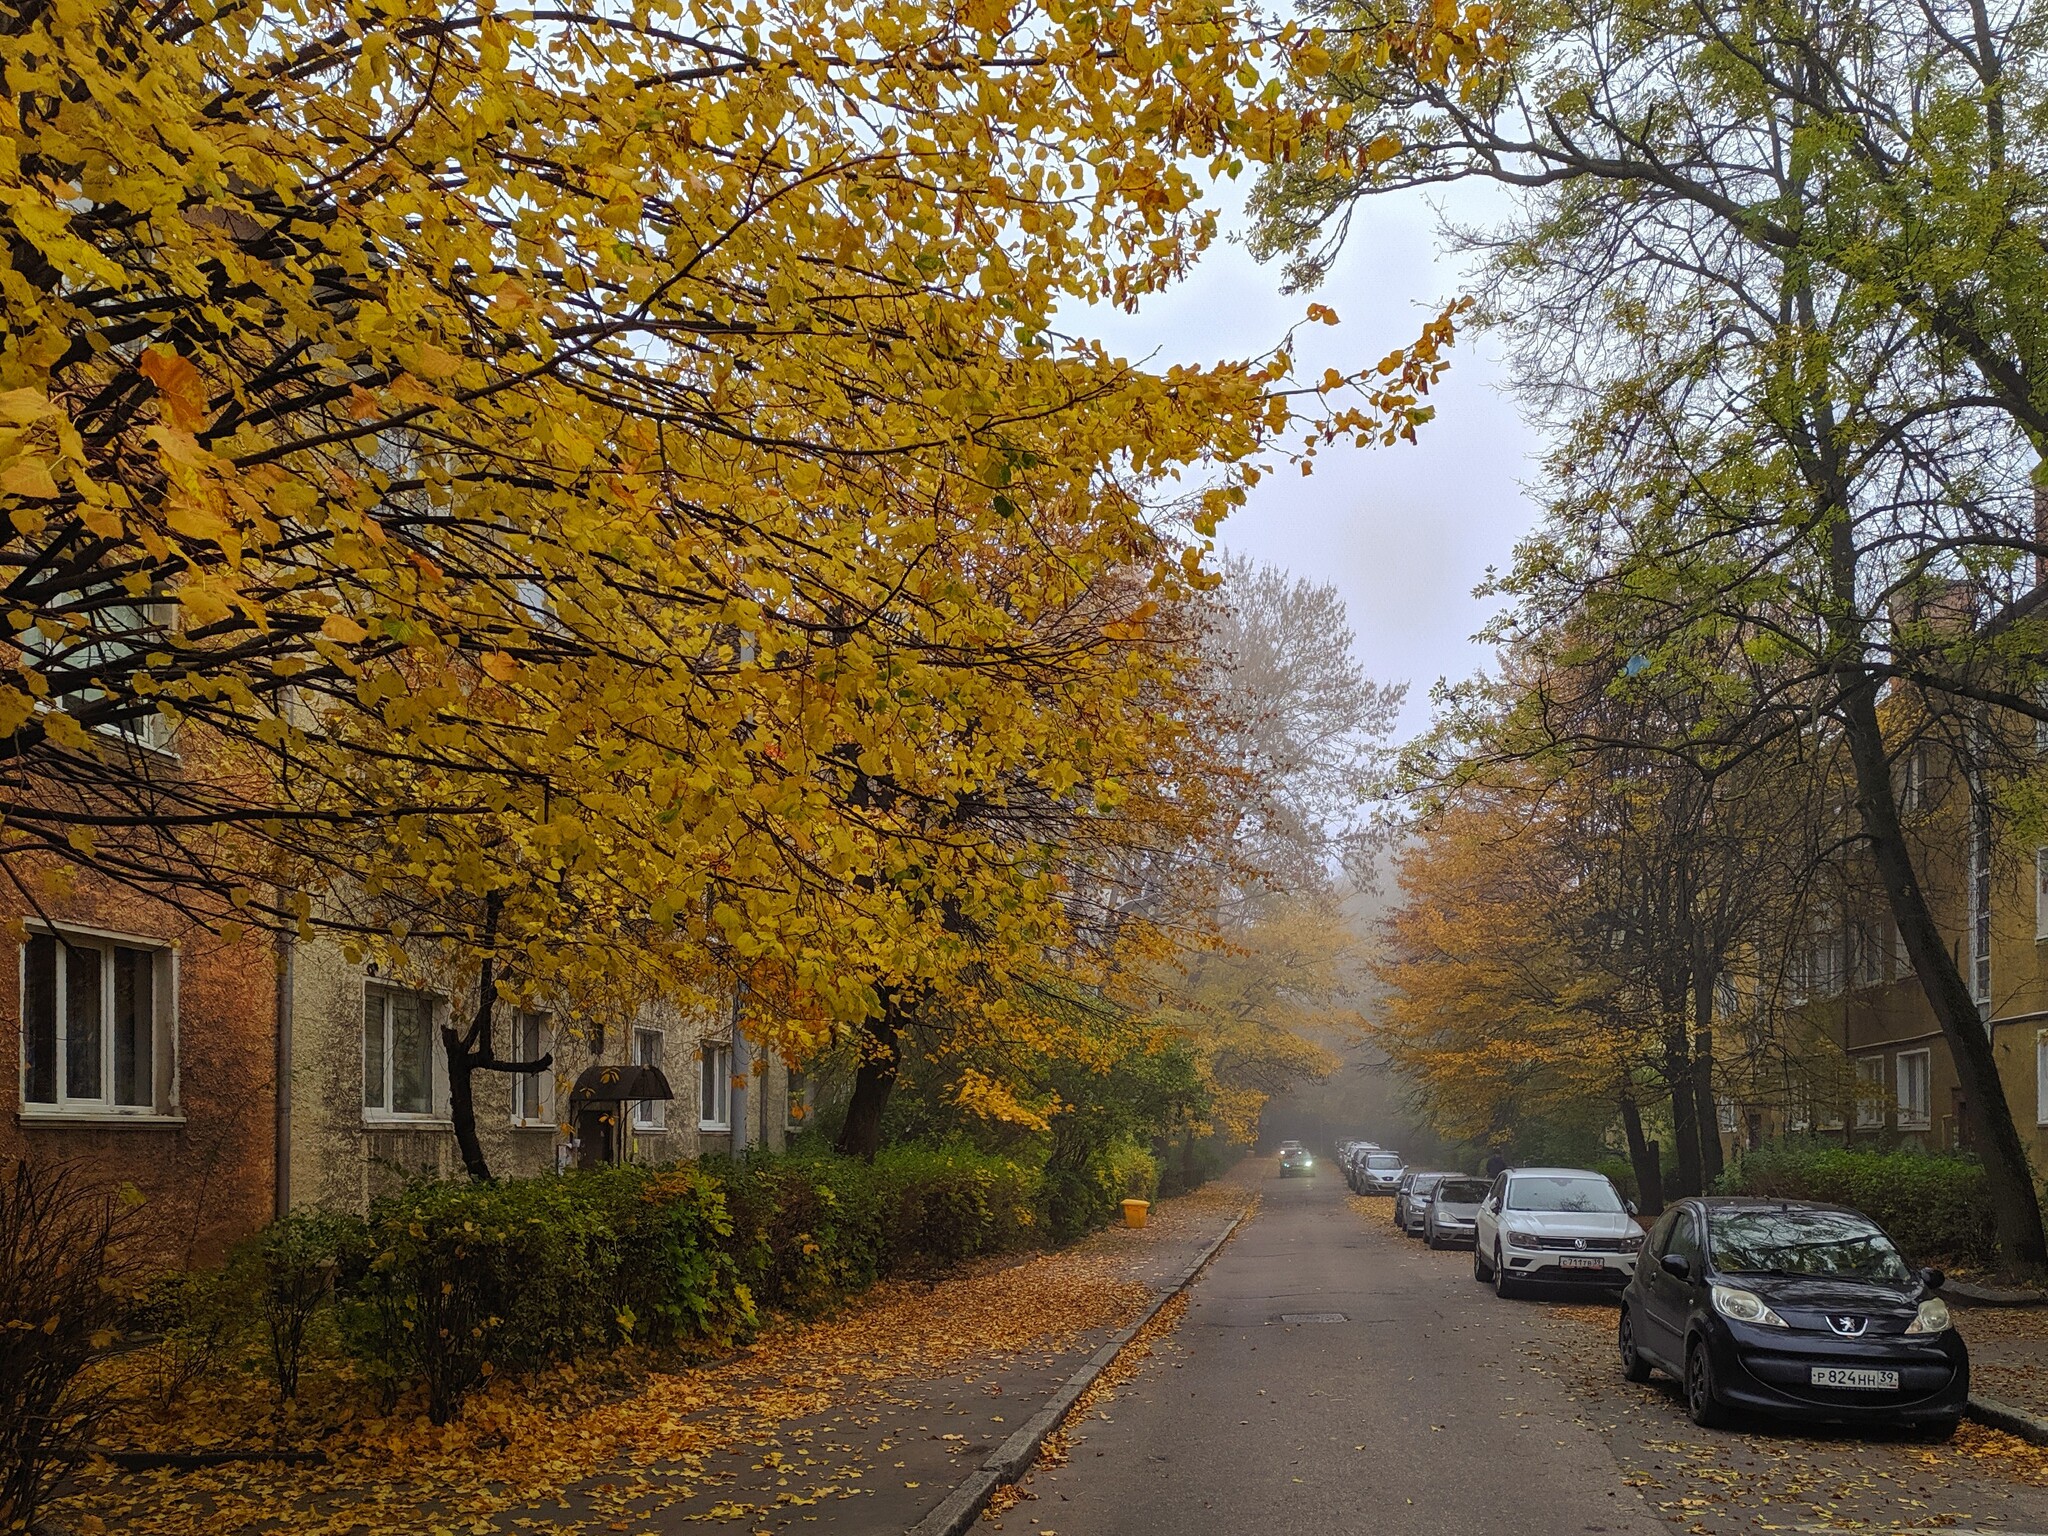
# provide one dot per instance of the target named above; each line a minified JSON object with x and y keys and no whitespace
{"x":1933,"y":1317}
{"x":1632,"y":1242}
{"x":1522,"y":1238}
{"x":1744,"y":1307}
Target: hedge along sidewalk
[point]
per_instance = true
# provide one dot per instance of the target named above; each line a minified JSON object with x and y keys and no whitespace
{"x":882,"y":1454}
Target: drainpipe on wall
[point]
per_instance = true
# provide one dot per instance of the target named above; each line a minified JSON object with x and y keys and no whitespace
{"x":742,"y":1074}
{"x":282,"y":1155}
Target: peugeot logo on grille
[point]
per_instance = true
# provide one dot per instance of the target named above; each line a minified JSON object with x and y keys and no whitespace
{"x":1848,"y":1326}
{"x":1578,"y":1242}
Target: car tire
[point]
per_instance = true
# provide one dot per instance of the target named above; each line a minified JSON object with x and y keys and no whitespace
{"x":1701,"y":1405}
{"x":1506,"y":1288}
{"x":1633,"y":1366}
{"x":1479,"y":1270}
{"x":1429,"y":1238}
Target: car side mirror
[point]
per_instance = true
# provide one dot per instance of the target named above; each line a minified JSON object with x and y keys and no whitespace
{"x":1677,"y":1266}
{"x":1933,"y":1279}
{"x":1630,"y":1206}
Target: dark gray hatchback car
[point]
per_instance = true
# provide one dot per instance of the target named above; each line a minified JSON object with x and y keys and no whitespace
{"x":1794,"y":1310}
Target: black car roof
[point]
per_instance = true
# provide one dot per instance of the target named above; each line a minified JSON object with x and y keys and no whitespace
{"x":1758,"y":1203}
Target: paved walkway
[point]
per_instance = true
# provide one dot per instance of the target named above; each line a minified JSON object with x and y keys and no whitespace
{"x":885,"y":1454}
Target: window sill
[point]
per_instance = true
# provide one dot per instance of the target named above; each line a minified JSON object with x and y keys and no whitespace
{"x":1916,"y":1125}
{"x":650,"y":1130}
{"x":719,"y":1126}
{"x":407,"y":1123}
{"x":98,"y":1120}
{"x":533,"y":1125}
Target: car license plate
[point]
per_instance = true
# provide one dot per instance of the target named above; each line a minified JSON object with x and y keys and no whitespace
{"x":1581,"y":1261}
{"x":1858,"y":1380}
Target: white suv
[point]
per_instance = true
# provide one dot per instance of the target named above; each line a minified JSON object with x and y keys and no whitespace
{"x":1555,"y":1225}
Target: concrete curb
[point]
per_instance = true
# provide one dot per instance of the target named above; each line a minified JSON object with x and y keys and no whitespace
{"x":1971,"y":1295}
{"x":1010,"y":1460}
{"x":2014,"y":1421}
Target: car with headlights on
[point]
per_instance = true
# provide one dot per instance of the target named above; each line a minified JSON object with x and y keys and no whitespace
{"x":1411,"y":1201}
{"x":1554,"y":1226}
{"x":1379,"y":1173}
{"x":1295,"y":1161}
{"x":1453,"y":1214}
{"x":1795,"y":1310}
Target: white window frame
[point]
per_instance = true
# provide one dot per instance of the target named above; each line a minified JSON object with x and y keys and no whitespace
{"x":436,"y":1111}
{"x":1912,"y":781}
{"x":533,"y":1093}
{"x":150,"y":731}
{"x":714,"y":1086}
{"x":650,"y":1049}
{"x":2040,"y":894}
{"x":1869,"y":1106}
{"x":163,"y":1044}
{"x":1912,"y":1118}
{"x":1725,"y":1116}
{"x":2041,"y":1077}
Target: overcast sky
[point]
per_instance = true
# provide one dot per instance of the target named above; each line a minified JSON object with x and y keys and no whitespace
{"x":1404,"y":533}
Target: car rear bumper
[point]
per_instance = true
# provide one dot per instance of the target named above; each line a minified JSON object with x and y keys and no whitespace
{"x":1773,"y":1375}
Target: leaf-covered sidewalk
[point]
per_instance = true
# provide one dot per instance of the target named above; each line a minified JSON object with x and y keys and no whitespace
{"x":860,"y":1423}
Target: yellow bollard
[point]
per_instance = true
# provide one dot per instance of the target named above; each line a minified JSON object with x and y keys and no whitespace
{"x":1134,"y":1212}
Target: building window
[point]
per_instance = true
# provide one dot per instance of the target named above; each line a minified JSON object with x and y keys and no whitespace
{"x":398,"y":1052}
{"x":95,"y":1024}
{"x":112,"y":635}
{"x":2041,"y":893}
{"x":1912,"y":781}
{"x":1980,"y":903}
{"x":1915,"y":1106}
{"x":649,"y":1114}
{"x":1869,"y":1092}
{"x":533,"y":1093}
{"x":714,"y":1100}
{"x":1727,"y":1117}
{"x":2041,"y":1077}
{"x":799,"y":1098}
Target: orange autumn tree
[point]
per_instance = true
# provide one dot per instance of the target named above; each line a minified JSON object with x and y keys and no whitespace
{"x":1499,"y":1009}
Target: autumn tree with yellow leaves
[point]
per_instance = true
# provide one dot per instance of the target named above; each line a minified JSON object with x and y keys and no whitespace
{"x":605,"y":498}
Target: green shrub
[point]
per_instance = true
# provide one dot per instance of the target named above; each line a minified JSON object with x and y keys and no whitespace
{"x":288,"y":1269}
{"x":446,"y":1284}
{"x":939,"y":1207}
{"x":658,"y":1249}
{"x":1133,"y":1172}
{"x":1936,"y":1208}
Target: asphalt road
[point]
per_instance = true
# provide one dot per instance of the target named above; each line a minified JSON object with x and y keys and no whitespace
{"x":1417,"y":1402}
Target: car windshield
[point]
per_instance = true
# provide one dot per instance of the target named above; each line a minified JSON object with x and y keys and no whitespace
{"x":1424,"y":1183}
{"x":1563,"y":1192}
{"x":1382,"y":1160}
{"x":1837,"y":1244}
{"x":1461,"y":1192}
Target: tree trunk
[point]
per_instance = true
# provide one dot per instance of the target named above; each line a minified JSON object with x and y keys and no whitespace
{"x":881,"y":1057}
{"x":1707,"y":1110}
{"x":1685,"y":1134}
{"x":2016,"y":1208}
{"x":1646,"y":1157}
{"x":462,"y":1063}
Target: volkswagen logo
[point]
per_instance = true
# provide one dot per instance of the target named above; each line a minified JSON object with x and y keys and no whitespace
{"x":1578,"y":1242}
{"x":1847,"y":1326}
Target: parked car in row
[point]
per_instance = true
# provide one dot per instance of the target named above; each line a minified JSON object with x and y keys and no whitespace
{"x":1554,"y":1225}
{"x":1453,"y":1215}
{"x":1411,"y":1198}
{"x":1795,"y":1310}
{"x":1376,"y":1173}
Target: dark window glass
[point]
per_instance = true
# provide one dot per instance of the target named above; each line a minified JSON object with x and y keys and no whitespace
{"x":373,"y":1052}
{"x":39,"y":1020}
{"x":1562,"y":1192}
{"x":1660,"y":1235}
{"x":134,"y":1026}
{"x":412,"y":1054}
{"x":1382,"y":1160}
{"x":1461,"y":1191}
{"x":1685,"y":1241}
{"x":83,"y":1045}
{"x":1829,"y":1243}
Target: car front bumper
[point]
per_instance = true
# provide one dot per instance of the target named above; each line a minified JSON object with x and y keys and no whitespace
{"x":1545,"y":1267}
{"x":1457,"y":1236}
{"x":1769,"y":1371}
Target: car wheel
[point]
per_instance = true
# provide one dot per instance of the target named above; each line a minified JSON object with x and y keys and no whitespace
{"x":1479,"y":1270}
{"x":1503,"y":1287}
{"x":1633,"y":1366}
{"x":1429,"y":1237}
{"x":1701,"y":1405}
